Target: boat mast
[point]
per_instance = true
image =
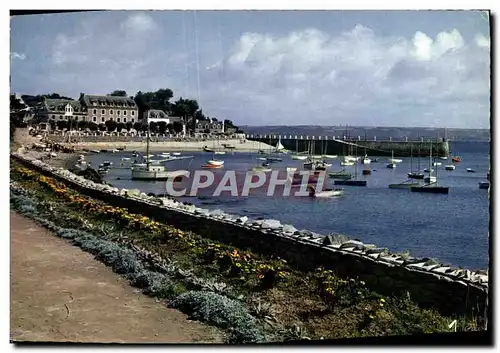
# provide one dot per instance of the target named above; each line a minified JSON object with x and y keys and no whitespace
{"x":411,"y":157}
{"x":147,"y":142}
{"x":418,"y":161}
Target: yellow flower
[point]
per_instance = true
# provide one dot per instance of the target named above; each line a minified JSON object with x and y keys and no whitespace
{"x":371,"y":316}
{"x":382,"y":300}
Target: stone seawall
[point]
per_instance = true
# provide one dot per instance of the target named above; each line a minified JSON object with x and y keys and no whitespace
{"x":448,"y":289}
{"x":325,"y":145}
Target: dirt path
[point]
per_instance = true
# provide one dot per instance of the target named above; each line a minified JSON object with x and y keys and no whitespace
{"x":60,"y":293}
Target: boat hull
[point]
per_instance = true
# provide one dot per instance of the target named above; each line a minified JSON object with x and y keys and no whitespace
{"x":350,"y":182}
{"x":403,"y":186}
{"x":431,"y":189}
{"x":484,"y":185}
{"x":416,"y":175}
{"x":153,"y":175}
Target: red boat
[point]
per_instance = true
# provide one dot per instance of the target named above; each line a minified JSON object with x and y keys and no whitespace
{"x":456,"y":159}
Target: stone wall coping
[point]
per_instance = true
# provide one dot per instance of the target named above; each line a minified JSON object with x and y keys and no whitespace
{"x":275,"y":228}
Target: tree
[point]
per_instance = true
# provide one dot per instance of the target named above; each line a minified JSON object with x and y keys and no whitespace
{"x":153,"y":127}
{"x":52,"y":124}
{"x":162,"y":127}
{"x":120,"y":127}
{"x":93,"y":126}
{"x":15,"y":103}
{"x":62,"y":124}
{"x":177,"y":126}
{"x":102,"y":127}
{"x":170,"y":127}
{"x":110,"y":125}
{"x":138,"y":126}
{"x":128,"y":126}
{"x":118,"y":93}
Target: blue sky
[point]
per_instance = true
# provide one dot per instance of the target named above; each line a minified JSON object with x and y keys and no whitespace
{"x":376,"y":68}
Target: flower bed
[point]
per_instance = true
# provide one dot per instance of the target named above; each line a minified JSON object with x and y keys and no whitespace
{"x":290,"y":304}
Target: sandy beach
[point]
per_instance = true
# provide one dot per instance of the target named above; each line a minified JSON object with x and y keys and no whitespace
{"x":191,"y":146}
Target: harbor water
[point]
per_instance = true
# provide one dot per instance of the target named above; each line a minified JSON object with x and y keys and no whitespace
{"x":452,"y":228}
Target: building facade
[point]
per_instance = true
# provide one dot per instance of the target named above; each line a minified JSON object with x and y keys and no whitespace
{"x":103,"y":108}
{"x":61,"y":110}
{"x":209,"y":127}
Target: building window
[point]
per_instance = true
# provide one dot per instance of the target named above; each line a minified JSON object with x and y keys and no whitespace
{"x":124,"y":120}
{"x":111,"y":111}
{"x":133,"y":120}
{"x":95,"y":111}
{"x":111,"y":119}
{"x":133,"y":113}
{"x":102,"y":119}
{"x":117,"y":112}
{"x":94,"y":119}
{"x":53,"y":117}
{"x":124,"y":112}
{"x":103,"y":112}
{"x":60,"y":117}
{"x":94,"y":104}
{"x":117,"y":120}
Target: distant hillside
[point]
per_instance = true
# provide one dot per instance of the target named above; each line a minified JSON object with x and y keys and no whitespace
{"x":397,"y":133}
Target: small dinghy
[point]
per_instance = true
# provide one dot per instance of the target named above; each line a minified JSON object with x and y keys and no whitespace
{"x":176,"y":153}
{"x":324,"y":193}
{"x":470,"y":170}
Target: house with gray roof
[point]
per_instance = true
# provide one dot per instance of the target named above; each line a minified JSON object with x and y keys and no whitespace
{"x":62,"y":109}
{"x":103,"y":108}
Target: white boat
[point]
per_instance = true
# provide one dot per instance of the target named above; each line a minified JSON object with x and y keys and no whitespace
{"x":329,"y":193}
{"x":115,"y":151}
{"x":324,"y":193}
{"x":125,"y":159}
{"x":262,"y":158}
{"x":350,"y":159}
{"x":391,"y":165}
{"x":148,"y":156}
{"x":430,"y":179}
{"x":299,"y":157}
{"x":176,"y":153}
{"x":94,"y":151}
{"x":329,"y":156}
{"x":261,"y":169}
{"x":316,"y":157}
{"x":366,"y":160}
{"x":165,"y":154}
{"x":346,"y":163}
{"x":450,"y":166}
{"x":279,"y":146}
{"x":444,"y":158}
{"x":428,"y":170}
{"x":220,"y":152}
{"x":327,"y":164}
{"x":395,"y":160}
{"x":291,"y":169}
{"x":145,"y":171}
{"x":470,"y":170}
{"x":436,"y":164}
{"x":215,"y":162}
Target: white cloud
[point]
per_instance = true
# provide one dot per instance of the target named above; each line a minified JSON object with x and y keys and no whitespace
{"x":141,"y":22}
{"x":353,"y":77}
{"x":306,"y":76}
{"x":482,"y":41}
{"x":19,"y":56}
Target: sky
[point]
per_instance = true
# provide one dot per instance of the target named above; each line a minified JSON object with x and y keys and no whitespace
{"x":361,"y":68}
